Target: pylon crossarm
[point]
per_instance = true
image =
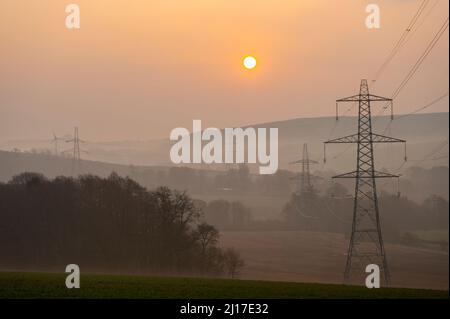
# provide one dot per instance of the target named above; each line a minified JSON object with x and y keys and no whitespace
{"x":364,"y":97}
{"x":375,"y":174}
{"x":377,"y":138}
{"x":342,"y":140}
{"x":376,"y":98}
{"x":354,"y":98}
{"x":384,"y":175}
{"x":346,"y":175}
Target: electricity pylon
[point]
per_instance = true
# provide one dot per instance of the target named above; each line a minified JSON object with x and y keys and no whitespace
{"x":366,"y":242}
{"x":304,"y":178}
{"x":76,"y":160}
{"x":55,"y":143}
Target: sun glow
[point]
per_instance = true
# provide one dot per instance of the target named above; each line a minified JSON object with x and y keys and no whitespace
{"x":249,"y":62}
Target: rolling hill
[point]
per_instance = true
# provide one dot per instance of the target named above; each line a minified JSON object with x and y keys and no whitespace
{"x":425,"y":134}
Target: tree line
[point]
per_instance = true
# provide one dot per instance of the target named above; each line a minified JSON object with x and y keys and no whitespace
{"x":108,"y":224}
{"x":333,"y":212}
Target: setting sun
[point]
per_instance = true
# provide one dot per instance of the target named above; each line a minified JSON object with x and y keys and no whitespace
{"x":249,"y":62}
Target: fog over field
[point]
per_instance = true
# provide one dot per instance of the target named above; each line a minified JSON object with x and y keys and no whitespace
{"x":320,"y":257}
{"x":254,"y":213}
{"x":294,"y":141}
{"x":425,"y":134}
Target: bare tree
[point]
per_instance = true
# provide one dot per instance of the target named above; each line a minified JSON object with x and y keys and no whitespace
{"x":207,"y":235}
{"x":233,"y":262}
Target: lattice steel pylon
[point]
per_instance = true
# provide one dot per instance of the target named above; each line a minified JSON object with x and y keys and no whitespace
{"x":76,"y":159}
{"x":304,"y":178}
{"x":366,"y":242}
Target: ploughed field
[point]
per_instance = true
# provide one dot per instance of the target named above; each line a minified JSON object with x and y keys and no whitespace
{"x":300,"y":256}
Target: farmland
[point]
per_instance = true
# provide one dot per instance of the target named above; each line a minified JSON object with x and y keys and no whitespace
{"x":302,"y":256}
{"x":48,"y":285}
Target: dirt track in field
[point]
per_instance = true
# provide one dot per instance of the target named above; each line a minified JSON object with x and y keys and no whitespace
{"x":320,"y":257}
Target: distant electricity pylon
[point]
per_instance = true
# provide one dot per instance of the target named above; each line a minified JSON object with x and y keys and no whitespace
{"x":55,"y":143}
{"x":304,"y":184}
{"x":76,"y":159}
{"x":366,"y":242}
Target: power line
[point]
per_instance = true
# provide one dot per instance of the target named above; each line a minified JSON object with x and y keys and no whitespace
{"x":424,"y":107}
{"x":392,"y":54}
{"x":413,"y":70}
{"x":402,"y":39}
{"x":426,"y":157}
{"x":434,"y":152}
{"x":418,"y":63}
{"x":417,"y":110}
{"x":438,"y":158}
{"x":423,"y":20}
{"x":422,"y":58}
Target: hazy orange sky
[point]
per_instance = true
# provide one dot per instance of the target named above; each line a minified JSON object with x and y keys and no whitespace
{"x":138,"y":69}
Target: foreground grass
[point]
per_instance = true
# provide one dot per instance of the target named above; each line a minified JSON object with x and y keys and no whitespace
{"x":44,"y":285}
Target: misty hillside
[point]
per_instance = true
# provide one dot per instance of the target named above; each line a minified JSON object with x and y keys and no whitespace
{"x":418,"y":183}
{"x":423,"y":133}
{"x":426,"y":135}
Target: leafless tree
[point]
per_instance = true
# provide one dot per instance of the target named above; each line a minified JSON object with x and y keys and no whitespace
{"x":233,"y":262}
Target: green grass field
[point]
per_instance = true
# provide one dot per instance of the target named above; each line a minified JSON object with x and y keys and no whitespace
{"x":45,"y":285}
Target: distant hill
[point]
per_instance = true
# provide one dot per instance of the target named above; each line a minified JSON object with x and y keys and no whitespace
{"x":426,"y":135}
{"x":418,"y":183}
{"x":13,"y":163}
{"x":423,"y":133}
